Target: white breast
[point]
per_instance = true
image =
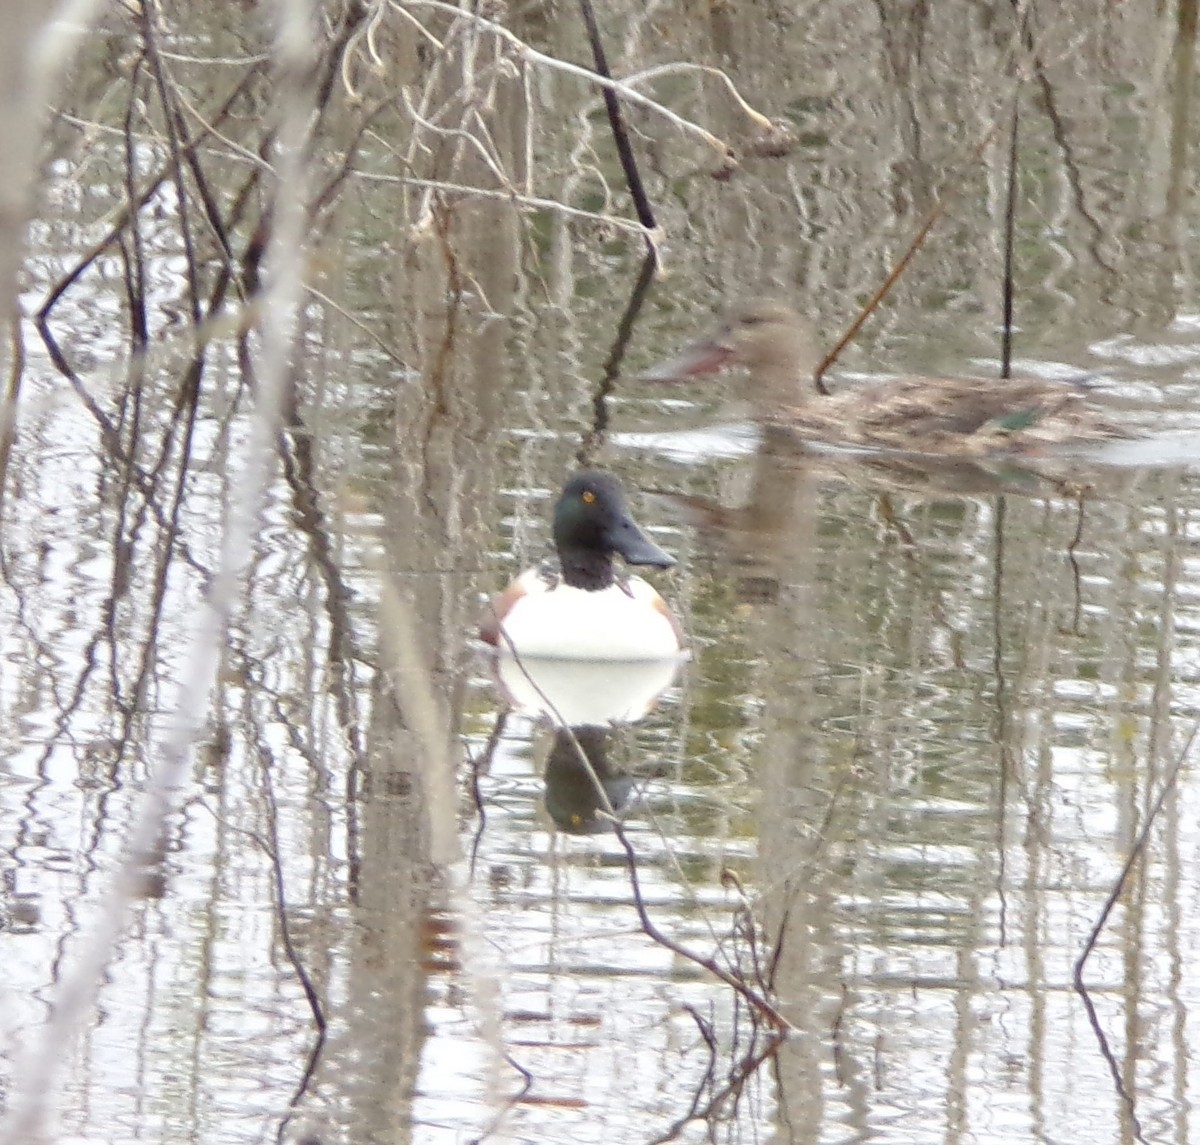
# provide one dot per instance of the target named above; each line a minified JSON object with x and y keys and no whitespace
{"x":573,"y":624}
{"x":595,"y":693}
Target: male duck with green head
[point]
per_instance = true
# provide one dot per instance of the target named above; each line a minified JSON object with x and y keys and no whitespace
{"x":583,"y":608}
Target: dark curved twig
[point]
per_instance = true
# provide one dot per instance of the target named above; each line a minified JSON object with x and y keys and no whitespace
{"x":594,"y":438}
{"x":637,"y":191}
{"x":1114,"y":896}
{"x":1135,"y":852}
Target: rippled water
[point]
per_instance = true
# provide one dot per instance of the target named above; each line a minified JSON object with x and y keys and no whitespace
{"x":926,"y":719}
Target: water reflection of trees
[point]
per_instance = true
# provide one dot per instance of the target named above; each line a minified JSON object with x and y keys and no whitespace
{"x":961,"y":709}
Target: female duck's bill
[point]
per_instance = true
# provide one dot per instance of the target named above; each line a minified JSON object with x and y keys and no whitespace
{"x":581,"y":608}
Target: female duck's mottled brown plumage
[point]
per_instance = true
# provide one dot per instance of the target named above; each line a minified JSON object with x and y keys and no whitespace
{"x":961,"y":416}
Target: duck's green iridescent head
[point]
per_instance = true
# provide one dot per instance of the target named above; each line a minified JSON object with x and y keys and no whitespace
{"x":591,"y":518}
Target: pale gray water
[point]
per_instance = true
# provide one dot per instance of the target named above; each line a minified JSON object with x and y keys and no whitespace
{"x":919,"y":732}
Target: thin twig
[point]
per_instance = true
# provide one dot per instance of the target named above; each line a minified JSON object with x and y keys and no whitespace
{"x":594,"y":438}
{"x":1135,"y":852}
{"x":469,"y":192}
{"x":279,"y":890}
{"x":932,"y":216}
{"x":652,"y":74}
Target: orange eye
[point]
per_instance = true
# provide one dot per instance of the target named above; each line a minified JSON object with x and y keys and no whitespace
{"x":589,"y":498}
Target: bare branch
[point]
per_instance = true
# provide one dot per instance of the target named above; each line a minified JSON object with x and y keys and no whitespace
{"x":622,"y":89}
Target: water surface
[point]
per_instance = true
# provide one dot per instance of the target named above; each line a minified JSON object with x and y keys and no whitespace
{"x":925,"y":722}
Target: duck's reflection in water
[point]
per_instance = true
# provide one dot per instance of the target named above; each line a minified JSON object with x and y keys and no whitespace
{"x":767,"y":539}
{"x":582,"y":787}
{"x":588,"y":703}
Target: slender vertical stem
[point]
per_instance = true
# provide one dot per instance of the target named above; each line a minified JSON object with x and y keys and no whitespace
{"x":1010,"y":220}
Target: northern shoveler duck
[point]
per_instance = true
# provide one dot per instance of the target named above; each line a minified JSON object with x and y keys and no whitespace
{"x":581,"y":607}
{"x":973,"y":417}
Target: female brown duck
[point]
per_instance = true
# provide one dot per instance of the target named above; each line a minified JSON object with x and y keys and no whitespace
{"x":973,"y":417}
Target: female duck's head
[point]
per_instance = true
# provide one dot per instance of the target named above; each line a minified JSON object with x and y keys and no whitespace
{"x":769,"y":339}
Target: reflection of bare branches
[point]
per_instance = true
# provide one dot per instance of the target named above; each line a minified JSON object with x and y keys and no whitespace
{"x":752,"y":979}
{"x":1076,"y":571}
{"x":723,"y":1100}
{"x":38,"y":45}
{"x":709,"y":1036}
{"x":1114,"y":1067}
{"x":513,"y":1101}
{"x":594,"y":438}
{"x":910,"y":550}
{"x":932,"y":217}
{"x":762,"y":1045}
{"x":1002,"y":730}
{"x":129,"y":220}
{"x":75,"y":987}
{"x":836,"y":1038}
{"x":317,"y":1009}
{"x":270,"y":847}
{"x":124,"y":217}
{"x":1155,"y":750}
{"x":479,"y":767}
{"x":296,"y":450}
{"x":1071,"y":165}
{"x":1135,"y":853}
{"x":733,"y":979}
